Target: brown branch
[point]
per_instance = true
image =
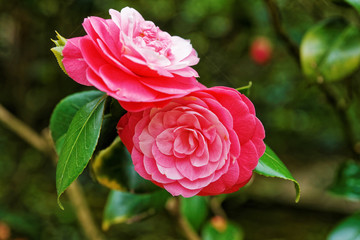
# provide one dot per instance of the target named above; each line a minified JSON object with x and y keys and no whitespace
{"x":77,"y":197}
{"x":276,"y":20}
{"x":23,"y":131}
{"x":215,"y":206}
{"x":45,"y":145}
{"x":173,"y":207}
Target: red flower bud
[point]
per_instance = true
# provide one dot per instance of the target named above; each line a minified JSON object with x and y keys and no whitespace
{"x":261,"y":50}
{"x":219,"y":223}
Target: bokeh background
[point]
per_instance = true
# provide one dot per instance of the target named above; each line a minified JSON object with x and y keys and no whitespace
{"x":300,"y":126}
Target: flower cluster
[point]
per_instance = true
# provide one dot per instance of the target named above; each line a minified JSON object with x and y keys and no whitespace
{"x":182,"y":136}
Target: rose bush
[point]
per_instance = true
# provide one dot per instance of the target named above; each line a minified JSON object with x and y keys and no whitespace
{"x":205,"y":143}
{"x":131,"y":60}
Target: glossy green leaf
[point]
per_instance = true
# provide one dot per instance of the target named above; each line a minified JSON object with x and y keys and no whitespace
{"x":271,"y":166}
{"x":347,"y":181}
{"x":57,"y":51}
{"x":114,"y":169}
{"x":355,"y":4}
{"x":349,"y":229}
{"x":195,"y":210}
{"x":79,"y":143}
{"x":64,"y":112}
{"x":330,"y":50}
{"x":230,"y":231}
{"x":349,"y":3}
{"x":128,"y":207}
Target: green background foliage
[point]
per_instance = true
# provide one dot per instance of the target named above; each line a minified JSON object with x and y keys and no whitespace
{"x":301,"y":128}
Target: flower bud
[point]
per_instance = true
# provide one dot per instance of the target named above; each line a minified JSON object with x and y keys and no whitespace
{"x":261,"y":50}
{"x":57,"y":51}
{"x":219,"y":223}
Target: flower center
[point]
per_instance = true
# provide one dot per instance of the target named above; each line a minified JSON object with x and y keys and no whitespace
{"x":186,"y":142}
{"x":152,"y":37}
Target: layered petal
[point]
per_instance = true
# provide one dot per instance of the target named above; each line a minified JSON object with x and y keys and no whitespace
{"x":132,"y":60}
{"x":200,"y":144}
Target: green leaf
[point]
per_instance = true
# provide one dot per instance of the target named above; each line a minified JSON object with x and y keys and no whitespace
{"x":271,"y":166}
{"x":57,"y":51}
{"x":229,"y":231}
{"x":114,"y":169}
{"x":330,"y":51}
{"x":128,"y":207}
{"x":198,"y":205}
{"x":355,"y":4}
{"x":349,"y":229}
{"x":59,"y":143}
{"x":79,"y":143}
{"x":347,"y":182}
{"x":64,"y":112}
{"x":349,"y":3}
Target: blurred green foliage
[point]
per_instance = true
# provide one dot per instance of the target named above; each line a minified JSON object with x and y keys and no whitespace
{"x":295,"y":116}
{"x":347,"y":181}
{"x":347,"y":229}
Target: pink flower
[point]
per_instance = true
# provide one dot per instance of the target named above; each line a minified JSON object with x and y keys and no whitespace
{"x":205,"y":143}
{"x":131,"y":60}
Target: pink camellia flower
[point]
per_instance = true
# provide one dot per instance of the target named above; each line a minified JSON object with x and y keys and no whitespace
{"x":131,"y":60}
{"x":205,"y":143}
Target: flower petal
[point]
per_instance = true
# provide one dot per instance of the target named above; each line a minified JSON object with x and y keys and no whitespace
{"x":176,"y":189}
{"x":74,"y":63}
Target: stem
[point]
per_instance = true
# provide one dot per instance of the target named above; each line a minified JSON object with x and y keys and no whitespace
{"x":245,"y":87}
{"x":275,"y":17}
{"x":77,"y":197}
{"x":174,"y":208}
{"x":216,"y":208}
{"x":44,"y":145}
{"x":23,"y":131}
{"x":326,"y":89}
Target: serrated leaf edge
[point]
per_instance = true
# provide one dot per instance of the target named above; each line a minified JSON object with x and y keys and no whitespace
{"x":67,"y":160}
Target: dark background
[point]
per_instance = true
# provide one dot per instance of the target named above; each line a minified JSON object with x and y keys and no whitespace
{"x":300,"y":126}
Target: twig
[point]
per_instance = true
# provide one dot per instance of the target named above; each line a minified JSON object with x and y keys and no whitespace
{"x":77,"y":197}
{"x":23,"y":131}
{"x":173,"y":207}
{"x":44,"y":145}
{"x":216,"y":208}
{"x":275,"y":17}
